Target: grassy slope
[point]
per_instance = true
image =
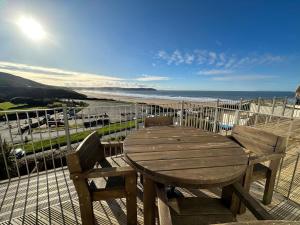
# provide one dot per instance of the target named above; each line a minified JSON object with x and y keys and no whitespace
{"x":9,"y":105}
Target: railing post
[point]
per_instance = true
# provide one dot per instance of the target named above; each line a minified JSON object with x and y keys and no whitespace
{"x":136,"y":116}
{"x":258,"y":110}
{"x":241,"y":104}
{"x":273,"y":105}
{"x":284,"y":106}
{"x":181,"y":113}
{"x":258,"y":104}
{"x":67,"y":128}
{"x":216,"y":116}
{"x":236,"y":117}
{"x":293,"y":109}
{"x":293,"y":176}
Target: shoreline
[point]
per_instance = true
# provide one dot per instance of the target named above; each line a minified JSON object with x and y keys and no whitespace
{"x":135,"y":99}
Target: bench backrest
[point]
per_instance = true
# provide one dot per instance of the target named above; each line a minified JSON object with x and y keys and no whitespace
{"x":158,"y":121}
{"x":86,"y":155}
{"x":258,"y":141}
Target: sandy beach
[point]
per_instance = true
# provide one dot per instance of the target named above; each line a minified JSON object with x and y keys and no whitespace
{"x":130,"y":99}
{"x":134,"y":99}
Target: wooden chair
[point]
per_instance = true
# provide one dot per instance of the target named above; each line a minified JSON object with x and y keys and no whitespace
{"x":263,"y":147}
{"x":158,"y":121}
{"x":120,"y":182}
{"x":204,"y":210}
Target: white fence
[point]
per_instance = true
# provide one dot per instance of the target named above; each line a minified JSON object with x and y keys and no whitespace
{"x":37,"y":140}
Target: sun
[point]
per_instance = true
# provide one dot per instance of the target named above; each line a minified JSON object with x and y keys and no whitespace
{"x":31,"y":28}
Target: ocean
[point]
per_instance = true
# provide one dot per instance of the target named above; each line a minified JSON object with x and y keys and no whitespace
{"x":197,"y":95}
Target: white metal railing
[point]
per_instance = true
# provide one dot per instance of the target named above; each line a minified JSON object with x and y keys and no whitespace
{"x":34,"y":142}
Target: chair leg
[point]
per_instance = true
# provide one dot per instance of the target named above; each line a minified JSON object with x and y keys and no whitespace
{"x":270,"y":181}
{"x":131,"y":194}
{"x":85,"y":202}
{"x":86,"y":210}
{"x":246,"y":185}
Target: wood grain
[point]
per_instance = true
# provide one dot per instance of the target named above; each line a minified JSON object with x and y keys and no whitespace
{"x":185,"y":156}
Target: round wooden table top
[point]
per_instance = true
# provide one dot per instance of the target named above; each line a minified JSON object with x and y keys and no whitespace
{"x":186,"y":157}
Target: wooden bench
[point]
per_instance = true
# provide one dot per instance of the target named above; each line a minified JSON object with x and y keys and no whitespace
{"x":204,"y":210}
{"x":115,"y":179}
{"x":158,"y":121}
{"x":263,"y":147}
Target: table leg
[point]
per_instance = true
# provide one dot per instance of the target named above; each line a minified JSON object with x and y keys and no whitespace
{"x":149,"y":201}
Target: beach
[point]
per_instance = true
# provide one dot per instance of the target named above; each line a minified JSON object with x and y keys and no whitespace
{"x":129,"y":99}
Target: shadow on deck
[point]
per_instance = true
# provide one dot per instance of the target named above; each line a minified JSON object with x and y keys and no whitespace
{"x":50,"y":198}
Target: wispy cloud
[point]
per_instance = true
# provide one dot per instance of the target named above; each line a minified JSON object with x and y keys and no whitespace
{"x":217,"y":59}
{"x":151,"y":78}
{"x":60,"y":77}
{"x":52,"y":71}
{"x":245,"y":77}
{"x":214,"y":72}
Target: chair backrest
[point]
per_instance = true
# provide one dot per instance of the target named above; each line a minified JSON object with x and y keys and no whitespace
{"x":158,"y":121}
{"x":86,"y":155}
{"x":258,"y":141}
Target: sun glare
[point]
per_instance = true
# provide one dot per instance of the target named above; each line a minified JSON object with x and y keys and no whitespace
{"x":31,"y":28}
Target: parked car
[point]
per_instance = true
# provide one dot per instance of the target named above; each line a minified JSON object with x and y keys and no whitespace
{"x":18,"y":152}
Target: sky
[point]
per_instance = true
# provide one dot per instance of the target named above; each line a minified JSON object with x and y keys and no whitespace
{"x":177,"y":45}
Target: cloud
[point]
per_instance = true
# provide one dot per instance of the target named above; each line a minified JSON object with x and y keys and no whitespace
{"x":51,"y":71}
{"x":244,"y":77}
{"x":213,"y":58}
{"x":151,"y":78}
{"x":214,"y":72}
{"x":60,"y":77}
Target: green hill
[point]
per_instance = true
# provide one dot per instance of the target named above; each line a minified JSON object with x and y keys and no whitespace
{"x":13,"y":86}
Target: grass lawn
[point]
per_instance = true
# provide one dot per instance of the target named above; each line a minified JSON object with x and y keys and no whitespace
{"x":47,"y":144}
{"x":9,"y":105}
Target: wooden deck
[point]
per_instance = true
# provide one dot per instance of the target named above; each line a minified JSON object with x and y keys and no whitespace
{"x":50,"y":198}
{"x":284,"y":127}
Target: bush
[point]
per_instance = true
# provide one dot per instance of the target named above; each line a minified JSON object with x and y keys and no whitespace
{"x":5,"y":159}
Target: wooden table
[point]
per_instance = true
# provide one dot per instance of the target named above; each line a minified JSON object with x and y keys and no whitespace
{"x":184,"y":157}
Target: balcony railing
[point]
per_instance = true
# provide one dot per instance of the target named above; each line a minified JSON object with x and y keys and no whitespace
{"x":33,"y":143}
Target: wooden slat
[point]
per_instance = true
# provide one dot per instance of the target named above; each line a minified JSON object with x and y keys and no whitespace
{"x":108,"y":194}
{"x":177,"y":147}
{"x":162,"y":135}
{"x":158,"y":121}
{"x":171,"y":140}
{"x":256,"y":134}
{"x":157,"y":133}
{"x":254,"y":145}
{"x":196,"y":153}
{"x":203,"y":162}
{"x":104,"y":172}
{"x":204,"y":176}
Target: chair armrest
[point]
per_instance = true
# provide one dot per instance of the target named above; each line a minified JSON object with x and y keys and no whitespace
{"x":114,"y":144}
{"x":263,"y":158}
{"x":164,"y":214}
{"x":104,"y":172}
{"x":258,"y":211}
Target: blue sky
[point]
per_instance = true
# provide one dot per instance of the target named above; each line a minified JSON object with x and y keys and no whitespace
{"x":184,"y":45}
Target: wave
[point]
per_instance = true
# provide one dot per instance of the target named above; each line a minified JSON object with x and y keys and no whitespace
{"x":157,"y":96}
